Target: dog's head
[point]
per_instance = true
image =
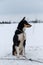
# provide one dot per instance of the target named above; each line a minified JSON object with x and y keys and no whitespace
{"x":23,"y":24}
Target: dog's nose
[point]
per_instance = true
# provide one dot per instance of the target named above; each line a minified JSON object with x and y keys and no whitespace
{"x":30,"y":25}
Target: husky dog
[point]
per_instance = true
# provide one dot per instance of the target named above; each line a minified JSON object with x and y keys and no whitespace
{"x":19,"y":39}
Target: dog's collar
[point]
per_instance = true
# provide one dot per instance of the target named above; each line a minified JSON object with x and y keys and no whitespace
{"x":20,"y":30}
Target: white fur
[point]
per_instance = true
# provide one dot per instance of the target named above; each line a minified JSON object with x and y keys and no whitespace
{"x":21,"y":37}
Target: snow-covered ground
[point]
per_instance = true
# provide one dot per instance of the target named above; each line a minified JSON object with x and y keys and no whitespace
{"x":34,"y":44}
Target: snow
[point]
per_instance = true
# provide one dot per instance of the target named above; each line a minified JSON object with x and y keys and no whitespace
{"x":34,"y":44}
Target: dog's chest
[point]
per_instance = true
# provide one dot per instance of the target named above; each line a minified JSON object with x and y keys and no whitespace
{"x":21,"y":37}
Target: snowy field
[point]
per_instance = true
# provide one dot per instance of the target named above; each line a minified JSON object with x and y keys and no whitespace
{"x":34,"y":44}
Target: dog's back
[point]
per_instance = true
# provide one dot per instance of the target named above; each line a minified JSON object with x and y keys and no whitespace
{"x":16,"y":41}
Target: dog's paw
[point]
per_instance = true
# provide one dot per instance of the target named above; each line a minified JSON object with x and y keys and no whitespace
{"x":23,"y":55}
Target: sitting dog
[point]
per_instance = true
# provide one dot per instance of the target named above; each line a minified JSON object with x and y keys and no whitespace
{"x":19,"y":39}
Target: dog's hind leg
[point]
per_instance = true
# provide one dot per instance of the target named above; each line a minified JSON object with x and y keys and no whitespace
{"x":14,"y":51}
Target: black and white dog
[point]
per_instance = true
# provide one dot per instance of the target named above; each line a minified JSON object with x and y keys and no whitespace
{"x":19,"y":39}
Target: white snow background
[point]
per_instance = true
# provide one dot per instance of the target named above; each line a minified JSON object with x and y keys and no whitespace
{"x":34,"y":43}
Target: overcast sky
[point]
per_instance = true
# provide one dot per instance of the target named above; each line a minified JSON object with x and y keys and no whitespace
{"x":8,"y":7}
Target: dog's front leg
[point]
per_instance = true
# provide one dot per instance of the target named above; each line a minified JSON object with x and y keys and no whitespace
{"x":23,"y":51}
{"x":17,"y":49}
{"x":24,"y":48}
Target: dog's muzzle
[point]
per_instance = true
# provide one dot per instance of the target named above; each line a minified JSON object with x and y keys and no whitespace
{"x":27,"y":25}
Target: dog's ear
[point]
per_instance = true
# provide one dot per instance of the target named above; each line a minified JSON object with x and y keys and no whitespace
{"x":23,"y":18}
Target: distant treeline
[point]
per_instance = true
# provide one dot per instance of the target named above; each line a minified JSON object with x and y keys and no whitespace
{"x":7,"y":22}
{"x":10,"y":22}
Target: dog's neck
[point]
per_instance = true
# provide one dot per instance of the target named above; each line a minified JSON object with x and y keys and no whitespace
{"x":21,"y":30}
